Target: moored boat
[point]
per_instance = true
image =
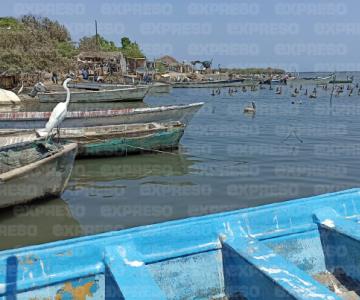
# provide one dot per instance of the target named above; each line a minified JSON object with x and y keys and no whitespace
{"x":114,"y":140}
{"x":160,"y":88}
{"x":134,"y":93}
{"x":161,"y":114}
{"x":155,"y":87}
{"x":303,"y":249}
{"x":34,"y":170}
{"x":208,"y":83}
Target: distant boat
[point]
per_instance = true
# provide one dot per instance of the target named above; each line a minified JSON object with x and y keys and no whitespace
{"x":114,"y":140}
{"x":302,"y":249}
{"x":125,"y":94}
{"x":276,"y":82}
{"x":155,"y":87}
{"x":318,"y":80}
{"x":344,"y":81}
{"x":160,"y":114}
{"x":160,"y":88}
{"x":34,"y":170}
{"x":209,"y":83}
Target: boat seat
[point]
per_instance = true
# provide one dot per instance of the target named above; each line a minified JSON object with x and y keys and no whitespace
{"x":340,"y":238}
{"x":127,"y":276}
{"x":248,"y":262}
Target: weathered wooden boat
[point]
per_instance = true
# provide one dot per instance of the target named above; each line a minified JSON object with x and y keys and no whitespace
{"x":114,"y":140}
{"x":160,"y":88}
{"x":155,"y":87}
{"x":208,"y":83}
{"x":341,"y":81}
{"x":160,"y":114}
{"x":303,"y":249}
{"x":134,"y":93}
{"x":96,"y":86}
{"x":34,"y":170}
{"x":314,"y":80}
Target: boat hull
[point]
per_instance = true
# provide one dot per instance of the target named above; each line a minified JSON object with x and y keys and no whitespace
{"x":122,"y":146}
{"x":162,"y":114}
{"x":155,"y":88}
{"x":43,"y":179}
{"x":160,"y":88}
{"x":96,"y":96}
{"x":100,"y":141}
{"x":209,"y":84}
{"x":270,"y":252}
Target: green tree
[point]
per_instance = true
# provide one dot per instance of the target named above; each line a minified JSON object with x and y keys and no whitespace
{"x":92,"y":43}
{"x":125,"y":42}
{"x":131,"y":49}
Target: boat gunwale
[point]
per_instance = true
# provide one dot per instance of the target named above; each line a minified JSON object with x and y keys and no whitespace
{"x":92,"y":131}
{"x":35,"y":116}
{"x":95,"y":91}
{"x":30,"y":167}
{"x":127,"y":234}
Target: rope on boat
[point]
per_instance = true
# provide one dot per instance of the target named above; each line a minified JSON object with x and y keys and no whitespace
{"x":164,"y":152}
{"x":175,"y":154}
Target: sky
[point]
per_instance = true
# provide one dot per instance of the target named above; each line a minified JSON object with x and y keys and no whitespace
{"x":294,"y":35}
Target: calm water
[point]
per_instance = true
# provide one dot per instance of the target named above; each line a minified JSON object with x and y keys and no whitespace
{"x":227,"y":160}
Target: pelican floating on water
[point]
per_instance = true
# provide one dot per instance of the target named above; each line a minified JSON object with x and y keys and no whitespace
{"x":250,"y":109}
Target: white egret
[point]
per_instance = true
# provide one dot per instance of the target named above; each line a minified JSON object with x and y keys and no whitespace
{"x":57,"y":115}
{"x":21,"y":88}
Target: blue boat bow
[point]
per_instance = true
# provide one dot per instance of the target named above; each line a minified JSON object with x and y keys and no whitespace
{"x":276,"y":251}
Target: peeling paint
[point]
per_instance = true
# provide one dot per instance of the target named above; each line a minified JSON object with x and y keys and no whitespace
{"x":79,"y":290}
{"x":65,"y":253}
{"x":28,"y":260}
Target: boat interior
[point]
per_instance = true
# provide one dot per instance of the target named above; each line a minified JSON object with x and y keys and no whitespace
{"x":302,"y":249}
{"x":18,"y":155}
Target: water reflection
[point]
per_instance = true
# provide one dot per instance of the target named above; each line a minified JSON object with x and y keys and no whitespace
{"x":133,"y":167}
{"x":112,"y":192}
{"x":38,"y":222}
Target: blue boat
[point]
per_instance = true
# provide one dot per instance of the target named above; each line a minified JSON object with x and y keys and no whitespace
{"x":302,"y":249}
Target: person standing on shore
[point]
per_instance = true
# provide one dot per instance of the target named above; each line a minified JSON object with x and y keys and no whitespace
{"x":54,"y":77}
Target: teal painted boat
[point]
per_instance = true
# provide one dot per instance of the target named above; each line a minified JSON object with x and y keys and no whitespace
{"x":118,"y":140}
{"x":302,"y":249}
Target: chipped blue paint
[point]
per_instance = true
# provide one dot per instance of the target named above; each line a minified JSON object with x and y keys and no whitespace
{"x":268,"y":252}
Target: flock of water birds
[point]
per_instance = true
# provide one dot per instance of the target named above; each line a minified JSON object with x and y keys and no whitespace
{"x":311,"y":93}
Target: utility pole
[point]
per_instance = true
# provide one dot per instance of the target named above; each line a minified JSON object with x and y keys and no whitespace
{"x":96,"y":36}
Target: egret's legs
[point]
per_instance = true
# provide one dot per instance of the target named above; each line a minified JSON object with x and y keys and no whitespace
{"x":58,"y":133}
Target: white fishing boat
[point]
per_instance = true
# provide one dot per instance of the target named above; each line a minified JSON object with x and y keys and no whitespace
{"x":160,"y":114}
{"x":127,"y":93}
{"x":155,"y":87}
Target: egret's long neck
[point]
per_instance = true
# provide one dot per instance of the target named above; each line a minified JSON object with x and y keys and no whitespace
{"x":67,"y":95}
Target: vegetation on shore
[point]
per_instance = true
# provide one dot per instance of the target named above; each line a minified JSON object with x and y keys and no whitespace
{"x":255,"y":71}
{"x":31,"y":44}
